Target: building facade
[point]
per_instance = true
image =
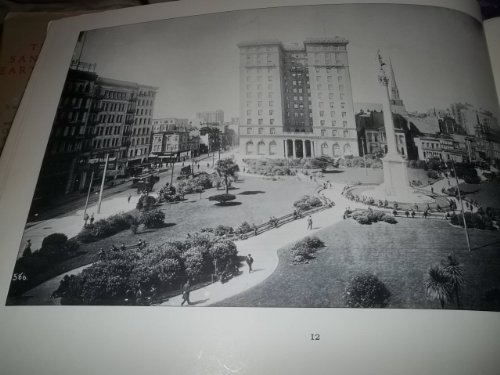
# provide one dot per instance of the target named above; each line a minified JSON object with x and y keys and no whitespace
{"x":296,"y":101}
{"x":216,"y":116}
{"x":140,"y":144}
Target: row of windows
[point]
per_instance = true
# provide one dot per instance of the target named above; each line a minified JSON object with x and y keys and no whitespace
{"x":143,"y":111}
{"x":261,"y":131}
{"x":260,"y":112}
{"x":140,"y":141}
{"x":335,"y":133}
{"x":108,"y":142}
{"x":107,"y":119}
{"x":140,"y":131}
{"x":142,"y":121}
{"x":145,"y":102}
{"x":77,"y":102}
{"x":137,"y":152}
{"x":109,"y":94}
{"x":112,"y":106}
{"x":73,"y":116}
{"x":69,"y":130}
{"x":66,"y":147}
{"x":260,"y":121}
{"x":107,"y":130}
{"x":259,"y":87}
{"x":333,"y":123}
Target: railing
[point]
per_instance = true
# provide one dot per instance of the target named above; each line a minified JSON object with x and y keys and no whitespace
{"x":277,"y":222}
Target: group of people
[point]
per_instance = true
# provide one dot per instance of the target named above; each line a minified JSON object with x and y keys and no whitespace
{"x":88,"y":219}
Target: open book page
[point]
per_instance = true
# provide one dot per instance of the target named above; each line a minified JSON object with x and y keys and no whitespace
{"x":201,"y":174}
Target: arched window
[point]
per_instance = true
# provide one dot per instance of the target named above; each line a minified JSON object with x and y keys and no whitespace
{"x":272,"y":148}
{"x":261,"y":148}
{"x":249,"y":148}
{"x":324,"y":149}
{"x":336,"y":149}
{"x":347,"y":149}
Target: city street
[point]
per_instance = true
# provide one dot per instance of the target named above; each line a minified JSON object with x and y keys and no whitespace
{"x":115,"y":199}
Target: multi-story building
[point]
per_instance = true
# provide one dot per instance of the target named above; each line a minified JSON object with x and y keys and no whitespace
{"x":475,"y":122}
{"x":216,"y":116}
{"x":140,"y":144}
{"x":172,"y":144}
{"x":169,"y":124}
{"x":64,"y":164}
{"x":296,"y":101}
{"x":115,"y":102}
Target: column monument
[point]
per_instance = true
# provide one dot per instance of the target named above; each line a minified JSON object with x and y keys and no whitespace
{"x":396,"y":182}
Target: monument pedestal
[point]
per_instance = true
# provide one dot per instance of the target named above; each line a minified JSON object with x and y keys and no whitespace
{"x":396,"y":181}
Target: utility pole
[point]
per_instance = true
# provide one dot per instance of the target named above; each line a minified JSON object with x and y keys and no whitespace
{"x":364,"y":154}
{"x":102,"y":183}
{"x":88,"y":193}
{"x":462,"y":206}
{"x":172,"y":174}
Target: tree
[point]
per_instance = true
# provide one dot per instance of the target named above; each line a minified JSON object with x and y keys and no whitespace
{"x":222,"y":198}
{"x":455,"y":272}
{"x":226,"y":168}
{"x":438,"y":285}
{"x":366,"y":290}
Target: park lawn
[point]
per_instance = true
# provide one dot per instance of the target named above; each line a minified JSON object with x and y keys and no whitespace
{"x":399,"y":254}
{"x":254,"y":193}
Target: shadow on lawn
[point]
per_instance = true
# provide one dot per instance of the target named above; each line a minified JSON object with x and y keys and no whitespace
{"x":164,"y":225}
{"x":228,"y":204}
{"x":251,"y":192}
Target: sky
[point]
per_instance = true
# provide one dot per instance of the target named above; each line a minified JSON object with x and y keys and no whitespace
{"x":439,"y":55}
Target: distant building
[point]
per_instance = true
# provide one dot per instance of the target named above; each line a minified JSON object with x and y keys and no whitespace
{"x":475,"y":122}
{"x":371,"y":134}
{"x":216,"y":116}
{"x":296,"y":100}
{"x":169,"y":124}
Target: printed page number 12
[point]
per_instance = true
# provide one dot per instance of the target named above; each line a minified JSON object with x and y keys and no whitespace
{"x":315,"y":336}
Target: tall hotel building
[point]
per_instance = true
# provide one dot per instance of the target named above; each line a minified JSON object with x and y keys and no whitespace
{"x":296,"y":101}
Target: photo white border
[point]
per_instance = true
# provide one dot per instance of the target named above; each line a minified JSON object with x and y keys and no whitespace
{"x":157,"y":340}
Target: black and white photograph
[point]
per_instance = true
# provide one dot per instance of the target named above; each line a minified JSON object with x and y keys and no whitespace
{"x":279,"y":157}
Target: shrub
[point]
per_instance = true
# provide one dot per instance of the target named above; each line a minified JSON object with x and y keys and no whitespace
{"x":305,"y":249}
{"x":222,"y":230}
{"x":57,"y":245}
{"x":152,"y":219}
{"x":223,"y":252}
{"x":106,"y":227}
{"x":432,"y":174}
{"x":367,"y":217}
{"x":473,"y":220}
{"x":366,"y":290}
{"x":194,"y":262}
{"x":222,"y":198}
{"x":146,"y":202}
{"x":244,"y":227}
{"x":307,"y":202}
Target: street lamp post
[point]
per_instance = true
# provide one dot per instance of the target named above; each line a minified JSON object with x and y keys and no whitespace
{"x":88,"y":193}
{"x":462,"y":206}
{"x":102,"y":183}
{"x":364,"y":154}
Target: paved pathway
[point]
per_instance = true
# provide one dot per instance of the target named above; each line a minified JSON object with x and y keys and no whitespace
{"x":264,"y":251}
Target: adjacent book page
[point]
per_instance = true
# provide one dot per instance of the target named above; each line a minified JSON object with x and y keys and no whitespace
{"x":492,"y":32}
{"x":225,"y":187}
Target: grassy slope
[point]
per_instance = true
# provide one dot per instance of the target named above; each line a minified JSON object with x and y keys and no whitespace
{"x":399,"y":254}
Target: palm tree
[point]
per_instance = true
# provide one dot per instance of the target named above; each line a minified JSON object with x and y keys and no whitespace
{"x":226,"y":168}
{"x":438,"y":285}
{"x":455,"y":272}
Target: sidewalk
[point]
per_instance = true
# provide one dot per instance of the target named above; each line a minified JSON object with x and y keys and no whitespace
{"x":72,"y":224}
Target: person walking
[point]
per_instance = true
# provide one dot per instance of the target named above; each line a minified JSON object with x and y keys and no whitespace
{"x":129,"y":197}
{"x":407,"y":213}
{"x":85,"y":219}
{"x":309,"y":223}
{"x":92,"y":218}
{"x":186,"y":290}
{"x":249,"y":261}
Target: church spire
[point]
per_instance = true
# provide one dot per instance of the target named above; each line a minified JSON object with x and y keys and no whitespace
{"x":394,"y":86}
